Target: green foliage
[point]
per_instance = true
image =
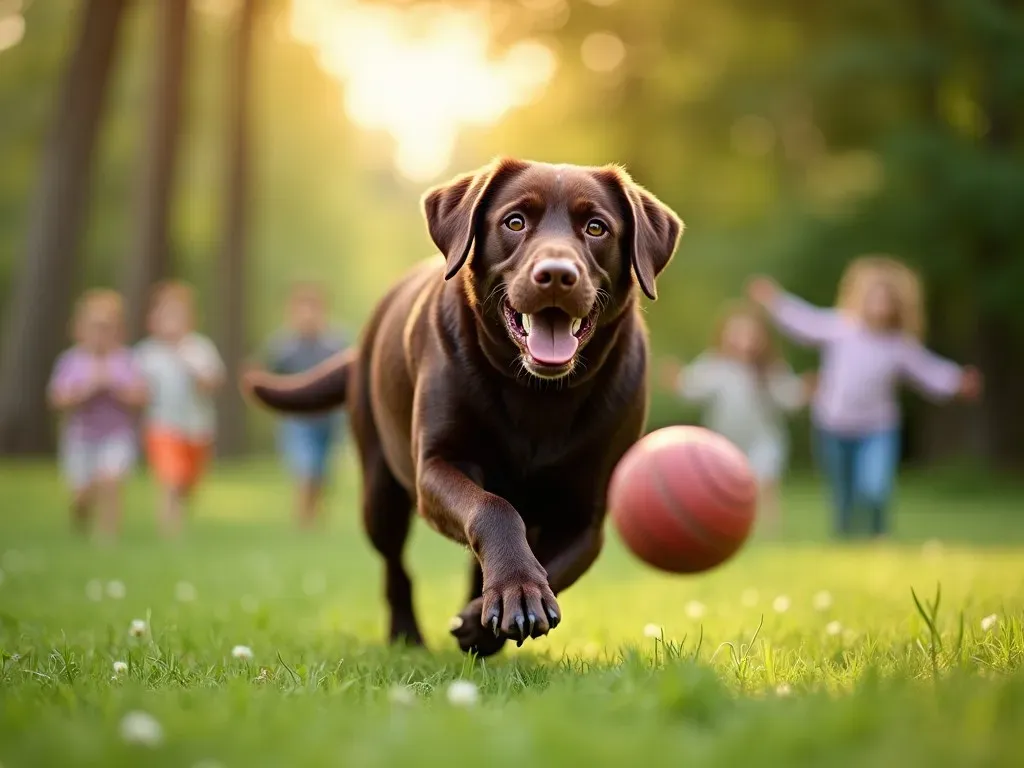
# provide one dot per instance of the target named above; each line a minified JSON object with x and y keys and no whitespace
{"x":791,"y":136}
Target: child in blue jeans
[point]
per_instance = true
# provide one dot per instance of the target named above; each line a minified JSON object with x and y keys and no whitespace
{"x":306,"y":442}
{"x":869,"y":344}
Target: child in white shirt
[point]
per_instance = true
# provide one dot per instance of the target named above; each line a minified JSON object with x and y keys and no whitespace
{"x":746,"y":390}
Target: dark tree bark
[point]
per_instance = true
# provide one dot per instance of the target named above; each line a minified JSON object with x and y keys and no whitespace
{"x":149,"y":259}
{"x":36,"y":327}
{"x":232,"y":271}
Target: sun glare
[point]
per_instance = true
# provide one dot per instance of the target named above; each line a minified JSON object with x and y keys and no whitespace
{"x":420,"y":72}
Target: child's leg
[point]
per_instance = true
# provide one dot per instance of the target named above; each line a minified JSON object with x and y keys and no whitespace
{"x":320,"y":470}
{"x":81,"y":507}
{"x":108,"y":494}
{"x":835,"y":456}
{"x":768,"y":505}
{"x":78,"y":465}
{"x":115,"y":460}
{"x":875,"y":472}
{"x":767,"y":456}
{"x":169,"y":459}
{"x":305,"y":445}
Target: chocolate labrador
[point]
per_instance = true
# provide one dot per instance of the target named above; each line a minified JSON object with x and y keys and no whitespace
{"x":496,"y":390}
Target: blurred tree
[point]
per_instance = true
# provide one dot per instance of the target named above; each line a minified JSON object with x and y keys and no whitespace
{"x":36,"y":326}
{"x":148,"y":259}
{"x":934,"y":92}
{"x":232,"y":273}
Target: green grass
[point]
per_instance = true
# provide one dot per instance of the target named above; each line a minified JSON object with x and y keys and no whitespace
{"x":741,"y":684}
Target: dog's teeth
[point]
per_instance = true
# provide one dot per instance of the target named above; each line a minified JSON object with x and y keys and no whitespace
{"x":527,"y":324}
{"x":577,"y":323}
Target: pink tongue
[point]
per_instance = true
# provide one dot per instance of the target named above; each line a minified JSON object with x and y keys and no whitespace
{"x":550,"y":339}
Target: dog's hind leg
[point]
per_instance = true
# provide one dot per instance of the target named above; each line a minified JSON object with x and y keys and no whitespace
{"x":387,"y":516}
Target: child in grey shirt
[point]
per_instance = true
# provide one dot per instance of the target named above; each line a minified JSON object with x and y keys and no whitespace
{"x":746,"y":391}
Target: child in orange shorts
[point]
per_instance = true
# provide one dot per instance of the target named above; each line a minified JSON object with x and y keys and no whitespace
{"x":184,"y":371}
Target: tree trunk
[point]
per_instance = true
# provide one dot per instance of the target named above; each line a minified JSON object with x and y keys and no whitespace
{"x":36,"y":328}
{"x":232,"y":267}
{"x":149,"y":259}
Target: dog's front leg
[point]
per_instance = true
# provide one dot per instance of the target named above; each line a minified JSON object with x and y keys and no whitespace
{"x":517,"y":600}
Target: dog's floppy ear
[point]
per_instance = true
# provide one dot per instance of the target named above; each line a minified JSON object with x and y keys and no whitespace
{"x":655,"y":230}
{"x":452,"y":210}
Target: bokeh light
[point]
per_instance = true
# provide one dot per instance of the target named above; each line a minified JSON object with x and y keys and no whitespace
{"x":421,"y":73}
{"x":12,"y":24}
{"x":602,"y":52}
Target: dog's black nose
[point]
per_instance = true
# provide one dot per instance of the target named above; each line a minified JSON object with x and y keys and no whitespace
{"x":556,"y":274}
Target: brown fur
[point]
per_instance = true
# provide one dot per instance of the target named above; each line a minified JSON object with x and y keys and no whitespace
{"x":454,"y":417}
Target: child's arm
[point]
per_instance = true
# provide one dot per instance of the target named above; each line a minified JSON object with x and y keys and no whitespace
{"x":699,"y":381}
{"x":936,"y":377}
{"x":204,"y":363}
{"x":129,"y":385}
{"x":787,"y":390}
{"x":802,"y":322}
{"x":71,"y":386}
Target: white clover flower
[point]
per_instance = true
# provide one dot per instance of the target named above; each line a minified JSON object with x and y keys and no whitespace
{"x":989,"y":622}
{"x":116,"y":590}
{"x":781,"y":604}
{"x":314,"y":584}
{"x":120,"y":667}
{"x":652,"y":630}
{"x":137,"y":628}
{"x":94,"y":590}
{"x":243,"y":652}
{"x":695,"y":609}
{"x":141,"y":728}
{"x":833,"y":628}
{"x":184,"y":592}
{"x":749,"y":598}
{"x":822,"y":600}
{"x":783,"y":689}
{"x":463,"y":693}
{"x":402,"y":695}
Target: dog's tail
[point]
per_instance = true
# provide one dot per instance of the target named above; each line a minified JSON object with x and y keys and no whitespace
{"x":320,"y":389}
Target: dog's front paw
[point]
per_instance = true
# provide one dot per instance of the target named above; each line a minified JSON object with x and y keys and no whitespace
{"x":468,"y":628}
{"x":518,"y":602}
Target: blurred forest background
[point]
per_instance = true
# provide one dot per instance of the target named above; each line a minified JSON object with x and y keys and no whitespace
{"x":241,"y":144}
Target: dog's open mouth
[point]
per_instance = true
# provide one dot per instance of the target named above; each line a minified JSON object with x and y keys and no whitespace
{"x":551,"y":337}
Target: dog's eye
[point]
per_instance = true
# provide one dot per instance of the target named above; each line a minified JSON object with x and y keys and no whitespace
{"x":596,"y":228}
{"x":515,"y":222}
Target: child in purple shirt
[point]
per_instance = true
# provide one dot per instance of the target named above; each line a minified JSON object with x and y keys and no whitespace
{"x":870,"y":344}
{"x":98,"y":389}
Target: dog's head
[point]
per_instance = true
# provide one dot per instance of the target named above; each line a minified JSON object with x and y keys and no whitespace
{"x":556,"y":253}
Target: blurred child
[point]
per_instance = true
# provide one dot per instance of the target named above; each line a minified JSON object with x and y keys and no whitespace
{"x":870,"y":344}
{"x":184,"y":371}
{"x":98,"y":389}
{"x":746,"y":389}
{"x":306,"y":442}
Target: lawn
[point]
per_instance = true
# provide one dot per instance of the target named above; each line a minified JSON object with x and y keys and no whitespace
{"x":798,"y":652}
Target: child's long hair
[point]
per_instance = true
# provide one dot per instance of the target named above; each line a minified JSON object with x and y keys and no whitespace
{"x":900,"y":279}
{"x":768,"y":354}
